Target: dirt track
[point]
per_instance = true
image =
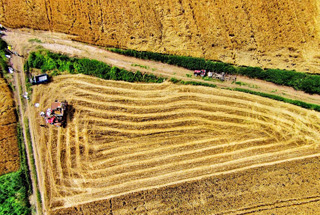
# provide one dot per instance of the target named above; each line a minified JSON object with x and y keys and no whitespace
{"x":58,"y":42}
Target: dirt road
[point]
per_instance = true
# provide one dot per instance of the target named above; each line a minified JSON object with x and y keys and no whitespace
{"x":24,"y":39}
{"x":20,"y":86}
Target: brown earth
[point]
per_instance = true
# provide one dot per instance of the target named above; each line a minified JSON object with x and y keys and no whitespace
{"x":287,"y":188}
{"x":165,"y":148}
{"x":9,"y":151}
{"x":274,"y":34}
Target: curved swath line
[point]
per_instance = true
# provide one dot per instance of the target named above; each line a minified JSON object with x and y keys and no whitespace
{"x":117,"y":179}
{"x":164,"y":130}
{"x":151,"y":94}
{"x":151,"y":147}
{"x":146,"y":141}
{"x":102,"y":191}
{"x":58,"y":154}
{"x":141,"y":96}
{"x":96,"y":164}
{"x":156,"y":86}
{"x":155,"y":143}
{"x":142,"y":93}
{"x":124,"y":85}
{"x":48,"y":163}
{"x":169,"y":122}
{"x":68,"y":152}
{"x":86,"y":144}
{"x":92,"y":80}
{"x":164,"y":157}
{"x":201,"y":93}
{"x":176,"y":114}
{"x":180,"y":110}
{"x":174,"y":164}
{"x":211,"y":98}
{"x":77,"y":147}
{"x":280,"y":119}
{"x":234,"y":98}
{"x":224,"y":99}
{"x":155,"y":107}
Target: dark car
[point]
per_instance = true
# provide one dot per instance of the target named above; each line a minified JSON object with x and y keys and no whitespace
{"x":40,"y":79}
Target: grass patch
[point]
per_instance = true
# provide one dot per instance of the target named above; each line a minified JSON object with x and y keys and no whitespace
{"x":246,"y":84}
{"x":35,"y":40}
{"x":141,"y":66}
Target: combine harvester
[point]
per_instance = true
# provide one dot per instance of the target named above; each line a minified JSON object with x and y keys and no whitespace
{"x":57,"y":114}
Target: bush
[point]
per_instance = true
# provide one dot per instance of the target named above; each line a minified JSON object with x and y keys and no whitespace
{"x":13,"y":194}
{"x":46,"y":61}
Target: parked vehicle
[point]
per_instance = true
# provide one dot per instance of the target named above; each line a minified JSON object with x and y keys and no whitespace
{"x":221,"y":76}
{"x":39,"y":79}
{"x":202,"y":72}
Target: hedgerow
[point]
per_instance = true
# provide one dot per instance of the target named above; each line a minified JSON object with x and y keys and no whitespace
{"x":3,"y":59}
{"x":299,"y":81}
{"x":279,"y":98}
{"x":47,"y":61}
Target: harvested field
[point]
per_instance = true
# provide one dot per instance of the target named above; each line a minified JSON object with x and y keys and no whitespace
{"x":123,"y":138}
{"x":9,"y":151}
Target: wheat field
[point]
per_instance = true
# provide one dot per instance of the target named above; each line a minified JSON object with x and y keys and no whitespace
{"x":9,"y":150}
{"x":127,"y":137}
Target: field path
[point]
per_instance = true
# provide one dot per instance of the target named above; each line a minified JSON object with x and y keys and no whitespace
{"x":19,"y":82}
{"x":58,"y":42}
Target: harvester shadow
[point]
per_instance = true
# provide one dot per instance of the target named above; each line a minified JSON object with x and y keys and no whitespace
{"x":70,"y":113}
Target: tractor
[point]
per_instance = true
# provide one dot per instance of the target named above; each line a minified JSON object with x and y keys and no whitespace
{"x":57,"y":114}
{"x":202,"y":72}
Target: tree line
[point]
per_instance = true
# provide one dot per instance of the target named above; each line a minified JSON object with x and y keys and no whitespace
{"x":47,"y":61}
{"x":300,"y":81}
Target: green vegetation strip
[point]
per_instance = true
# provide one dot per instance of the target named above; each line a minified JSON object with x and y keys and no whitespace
{"x":32,"y":161}
{"x":279,"y":98}
{"x":3,"y":58}
{"x":299,"y":81}
{"x":15,"y":187}
{"x":47,"y":61}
